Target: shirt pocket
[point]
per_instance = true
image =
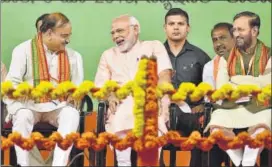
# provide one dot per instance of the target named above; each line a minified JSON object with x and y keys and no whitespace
{"x":193,"y":72}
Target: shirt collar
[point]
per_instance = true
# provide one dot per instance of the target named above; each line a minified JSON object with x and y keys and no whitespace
{"x":187,"y":47}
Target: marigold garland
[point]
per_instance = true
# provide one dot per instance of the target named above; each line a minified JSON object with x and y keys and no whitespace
{"x":139,"y":97}
{"x":148,"y":156}
{"x":90,"y":140}
{"x":144,"y":138}
{"x":43,"y":89}
{"x":185,"y":90}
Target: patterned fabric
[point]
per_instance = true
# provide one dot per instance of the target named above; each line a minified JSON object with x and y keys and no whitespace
{"x":260,"y":59}
{"x":40,"y":66}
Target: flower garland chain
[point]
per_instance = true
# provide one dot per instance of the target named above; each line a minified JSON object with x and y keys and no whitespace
{"x":149,"y":157}
{"x":144,"y":137}
{"x":65,"y":89}
{"x":90,"y":140}
{"x":139,"y":97}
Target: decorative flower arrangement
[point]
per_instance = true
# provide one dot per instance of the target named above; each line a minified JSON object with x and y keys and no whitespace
{"x":148,"y":156}
{"x":90,"y":140}
{"x":185,"y":90}
{"x":139,"y":97}
{"x":144,"y":137}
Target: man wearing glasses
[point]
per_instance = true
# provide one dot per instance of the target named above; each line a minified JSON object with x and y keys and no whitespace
{"x":120,"y":64}
{"x":45,"y":58}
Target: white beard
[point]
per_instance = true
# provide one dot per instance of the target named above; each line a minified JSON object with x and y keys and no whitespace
{"x":128,"y":43}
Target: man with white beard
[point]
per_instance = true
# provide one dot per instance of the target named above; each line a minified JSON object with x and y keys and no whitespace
{"x":120,"y":64}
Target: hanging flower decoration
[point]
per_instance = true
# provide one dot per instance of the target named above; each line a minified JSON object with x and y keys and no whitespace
{"x":139,"y":97}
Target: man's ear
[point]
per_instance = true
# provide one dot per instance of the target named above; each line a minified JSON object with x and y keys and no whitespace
{"x":136,"y":28}
{"x":255,"y":31}
{"x":189,"y":28}
{"x":49,"y":33}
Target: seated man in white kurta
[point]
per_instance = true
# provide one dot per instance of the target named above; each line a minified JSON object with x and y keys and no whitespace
{"x":249,"y":63}
{"x":120,"y":64}
{"x":45,"y":58}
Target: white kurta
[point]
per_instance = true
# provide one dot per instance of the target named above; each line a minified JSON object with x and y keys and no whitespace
{"x":26,"y":113}
{"x":240,"y":117}
{"x":207,"y":75}
{"x":21,"y":70}
{"x":122,"y":67}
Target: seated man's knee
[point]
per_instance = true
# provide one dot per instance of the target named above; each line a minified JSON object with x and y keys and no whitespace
{"x":23,"y":115}
{"x":69,"y":113}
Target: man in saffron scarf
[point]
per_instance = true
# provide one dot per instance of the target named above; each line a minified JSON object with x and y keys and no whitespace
{"x":45,"y":58}
{"x":120,"y":64}
{"x":223,"y":42}
{"x":249,"y":62}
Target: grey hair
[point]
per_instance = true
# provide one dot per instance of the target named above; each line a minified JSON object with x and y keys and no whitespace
{"x":134,"y":21}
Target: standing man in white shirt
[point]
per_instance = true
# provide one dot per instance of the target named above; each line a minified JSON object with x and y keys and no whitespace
{"x":223,"y":42}
{"x":45,"y":58}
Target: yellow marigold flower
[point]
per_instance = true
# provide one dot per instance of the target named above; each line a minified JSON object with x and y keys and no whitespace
{"x":186,"y":87}
{"x":267,"y":90}
{"x":35,"y":94}
{"x":143,"y":64}
{"x":218,"y":95}
{"x":178,"y":96}
{"x":42,"y":89}
{"x":124,"y":91}
{"x":138,"y":92}
{"x":111,"y":85}
{"x":22,"y":90}
{"x":6,"y":87}
{"x":205,"y":87}
{"x":261,"y":98}
{"x":139,"y":102}
{"x":197,"y":95}
{"x":63,"y":89}
{"x":83,"y":90}
{"x":166,"y":87}
{"x":45,"y":87}
{"x":100,"y":95}
{"x":226,"y":89}
{"x":265,"y":94}
{"x":159,"y":93}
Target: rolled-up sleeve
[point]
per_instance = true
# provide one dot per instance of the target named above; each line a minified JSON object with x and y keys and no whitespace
{"x":103,"y":72}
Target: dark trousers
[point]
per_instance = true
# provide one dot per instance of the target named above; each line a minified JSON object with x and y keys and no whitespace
{"x":186,"y":124}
